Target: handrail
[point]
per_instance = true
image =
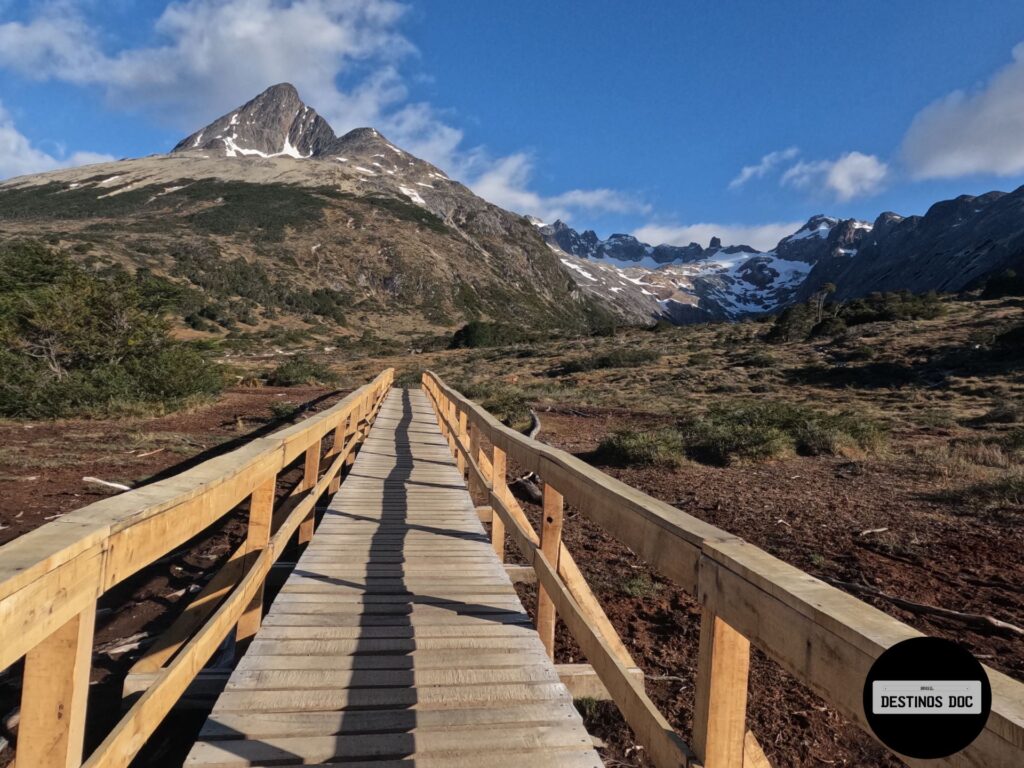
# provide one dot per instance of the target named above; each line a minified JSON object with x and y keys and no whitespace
{"x":50,"y":578}
{"x":826,"y":638}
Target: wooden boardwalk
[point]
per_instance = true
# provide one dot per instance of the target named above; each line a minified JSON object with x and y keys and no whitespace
{"x":398,"y":640}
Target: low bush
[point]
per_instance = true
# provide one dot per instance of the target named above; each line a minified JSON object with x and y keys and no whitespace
{"x":479,"y":333}
{"x":74,"y":344}
{"x":506,"y":402}
{"x":755,"y":431}
{"x":662,"y":447}
{"x":617,"y":358}
{"x":1007,"y":491}
{"x":1007,"y":283}
{"x":301,"y":371}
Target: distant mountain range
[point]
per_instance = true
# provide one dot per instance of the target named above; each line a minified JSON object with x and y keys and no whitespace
{"x":274,"y":221}
{"x":956,"y":245}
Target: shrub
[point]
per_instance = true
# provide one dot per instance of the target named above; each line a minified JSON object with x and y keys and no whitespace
{"x":507,"y":403}
{"x":299,"y":371}
{"x":756,"y":431}
{"x":1002,"y":412}
{"x":72,"y":344}
{"x":479,"y":333}
{"x":991,"y":494}
{"x":662,"y":447}
{"x":1007,"y":283}
{"x":618,"y":358}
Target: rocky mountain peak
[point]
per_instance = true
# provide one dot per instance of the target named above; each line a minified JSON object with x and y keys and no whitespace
{"x":715,"y":244}
{"x":274,"y":123}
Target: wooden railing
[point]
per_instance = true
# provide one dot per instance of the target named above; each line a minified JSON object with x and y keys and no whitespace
{"x":51,"y":578}
{"x":821,"y":635}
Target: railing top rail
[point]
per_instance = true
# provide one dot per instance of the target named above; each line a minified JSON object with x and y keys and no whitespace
{"x":824,"y":636}
{"x":230,"y":476}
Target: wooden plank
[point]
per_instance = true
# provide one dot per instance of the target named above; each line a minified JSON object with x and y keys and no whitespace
{"x":456,"y":677}
{"x":54,"y":695}
{"x":195,"y":613}
{"x":753,"y":755}
{"x":521,"y":574}
{"x":266,"y":642}
{"x":720,"y":709}
{"x":550,"y":544}
{"x":261,"y":512}
{"x":232,"y":725}
{"x":310,"y":474}
{"x":499,"y":489}
{"x":340,"y":699}
{"x":583,"y":682}
{"x":664,"y":747}
{"x":306,"y":750}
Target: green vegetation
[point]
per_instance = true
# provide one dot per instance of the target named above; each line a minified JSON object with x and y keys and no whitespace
{"x":641,"y":585}
{"x":743,"y":431}
{"x":800,"y":322}
{"x":628,"y":447}
{"x":762,"y":430}
{"x":240,"y":287}
{"x":1007,"y":283}
{"x":74,"y":344}
{"x":479,"y":333}
{"x":507,"y":403}
{"x":626,"y":357}
{"x":301,"y":371}
{"x":1005,"y":491}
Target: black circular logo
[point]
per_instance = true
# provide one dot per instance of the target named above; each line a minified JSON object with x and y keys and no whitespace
{"x":927,"y":698}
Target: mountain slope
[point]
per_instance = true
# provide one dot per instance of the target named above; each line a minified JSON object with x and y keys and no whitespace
{"x":269,"y":219}
{"x":956,"y":245}
{"x":690,"y":283}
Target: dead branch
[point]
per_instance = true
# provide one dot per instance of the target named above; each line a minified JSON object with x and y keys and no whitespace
{"x":534,"y":429}
{"x":971,"y":619}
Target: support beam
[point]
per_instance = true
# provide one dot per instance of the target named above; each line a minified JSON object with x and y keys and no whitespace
{"x":500,"y":490}
{"x":550,"y":544}
{"x":261,"y":511}
{"x":720,"y":711}
{"x":53,"y":701}
{"x":310,"y":474}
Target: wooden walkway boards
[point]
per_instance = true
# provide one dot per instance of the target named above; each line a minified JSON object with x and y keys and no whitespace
{"x":398,"y":640}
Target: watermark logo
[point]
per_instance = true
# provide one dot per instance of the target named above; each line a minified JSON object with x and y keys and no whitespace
{"x":927,"y":698}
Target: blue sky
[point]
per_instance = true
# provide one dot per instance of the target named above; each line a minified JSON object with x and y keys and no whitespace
{"x":634,"y":117}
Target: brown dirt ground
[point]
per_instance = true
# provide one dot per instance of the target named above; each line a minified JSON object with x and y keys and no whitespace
{"x":924,"y":380}
{"x":55,"y":456}
{"x":811,"y":513}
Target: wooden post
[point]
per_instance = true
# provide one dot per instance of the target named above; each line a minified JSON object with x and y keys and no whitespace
{"x":261,"y":512}
{"x":310,"y":474}
{"x":500,"y":490}
{"x":461,"y":459}
{"x":54,"y":695}
{"x":550,"y":545}
{"x":720,"y":710}
{"x":474,"y":452}
{"x":451,"y":432}
{"x":340,"y":439}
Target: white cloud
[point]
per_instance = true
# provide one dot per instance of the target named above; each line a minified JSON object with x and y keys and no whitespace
{"x":213,"y":55}
{"x":18,"y":157}
{"x":768,"y":163}
{"x":764,"y":237}
{"x":851,"y":175}
{"x":506,"y":182}
{"x":966,"y":132}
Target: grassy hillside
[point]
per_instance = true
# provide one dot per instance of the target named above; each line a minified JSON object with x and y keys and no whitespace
{"x":253,"y":259}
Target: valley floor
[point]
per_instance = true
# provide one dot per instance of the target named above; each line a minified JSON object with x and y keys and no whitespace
{"x":932,"y":515}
